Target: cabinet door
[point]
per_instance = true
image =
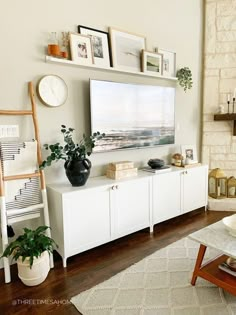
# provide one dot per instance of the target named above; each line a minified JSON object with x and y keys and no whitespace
{"x":130,"y":202}
{"x":86,"y":219}
{"x":194,"y":188}
{"x":166,"y":196}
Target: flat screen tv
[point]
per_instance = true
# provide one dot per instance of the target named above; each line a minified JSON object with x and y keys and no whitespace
{"x":131,"y":115}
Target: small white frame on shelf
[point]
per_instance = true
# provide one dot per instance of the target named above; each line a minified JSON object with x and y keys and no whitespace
{"x":72,"y":63}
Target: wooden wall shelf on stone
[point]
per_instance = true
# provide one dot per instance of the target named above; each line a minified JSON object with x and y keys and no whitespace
{"x":218,"y":117}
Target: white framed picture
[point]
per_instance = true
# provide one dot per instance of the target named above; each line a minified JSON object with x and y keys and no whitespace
{"x":189,"y":152}
{"x":169,"y":61}
{"x":152,"y":62}
{"x":81,"y":49}
{"x":126,"y":49}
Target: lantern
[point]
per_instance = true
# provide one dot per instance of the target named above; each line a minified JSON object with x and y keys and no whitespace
{"x":217,"y":184}
{"x":231,"y":187}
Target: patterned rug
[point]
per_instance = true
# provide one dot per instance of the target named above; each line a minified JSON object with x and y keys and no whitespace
{"x":158,"y":285}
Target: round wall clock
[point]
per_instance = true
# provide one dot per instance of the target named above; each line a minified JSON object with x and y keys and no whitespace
{"x":52,"y":90}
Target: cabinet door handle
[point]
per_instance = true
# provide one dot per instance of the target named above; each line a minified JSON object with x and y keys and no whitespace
{"x":114,"y":187}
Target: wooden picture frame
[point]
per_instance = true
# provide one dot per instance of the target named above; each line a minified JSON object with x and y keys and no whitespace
{"x":189,"y":152}
{"x":81,"y":49}
{"x":169,"y":62}
{"x":126,"y":49}
{"x":100,"y":45}
{"x":152,"y":62}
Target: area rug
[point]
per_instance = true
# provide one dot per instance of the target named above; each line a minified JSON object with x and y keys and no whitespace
{"x":158,"y":285}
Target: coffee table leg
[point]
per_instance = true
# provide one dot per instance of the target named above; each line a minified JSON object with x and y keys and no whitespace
{"x":198,"y":264}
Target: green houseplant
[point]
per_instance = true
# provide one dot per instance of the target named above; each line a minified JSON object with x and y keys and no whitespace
{"x":184,"y":76}
{"x":31,"y":251}
{"x":77,"y":165}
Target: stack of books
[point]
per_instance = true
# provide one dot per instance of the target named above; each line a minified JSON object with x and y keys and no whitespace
{"x":164,"y":168}
{"x":122,"y":169}
{"x":225,"y":267}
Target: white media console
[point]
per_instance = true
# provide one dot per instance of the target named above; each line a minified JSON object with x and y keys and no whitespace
{"x":104,"y":209}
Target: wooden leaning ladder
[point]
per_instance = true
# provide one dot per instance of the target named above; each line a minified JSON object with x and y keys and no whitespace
{"x":25,"y":212}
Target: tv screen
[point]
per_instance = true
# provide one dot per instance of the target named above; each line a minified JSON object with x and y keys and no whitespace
{"x":131,"y":115}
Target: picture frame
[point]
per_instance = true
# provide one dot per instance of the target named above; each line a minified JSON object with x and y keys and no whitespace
{"x":189,"y":152}
{"x":169,"y":62}
{"x":152,"y":62}
{"x":126,"y":49}
{"x":100,"y":45}
{"x":81,"y":49}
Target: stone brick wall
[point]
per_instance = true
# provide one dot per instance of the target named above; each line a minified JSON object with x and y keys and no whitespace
{"x":218,"y":142}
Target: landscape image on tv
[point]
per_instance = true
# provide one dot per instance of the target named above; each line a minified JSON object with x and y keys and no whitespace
{"x":131,"y":115}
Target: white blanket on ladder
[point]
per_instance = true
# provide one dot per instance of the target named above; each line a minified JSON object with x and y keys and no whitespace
{"x":19,"y":158}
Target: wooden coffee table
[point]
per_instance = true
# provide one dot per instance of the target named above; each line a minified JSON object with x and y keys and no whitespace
{"x":215,"y":236}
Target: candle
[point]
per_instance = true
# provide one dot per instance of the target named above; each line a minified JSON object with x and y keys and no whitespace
{"x":232,"y":191}
{"x":218,"y":191}
{"x":228,"y":97}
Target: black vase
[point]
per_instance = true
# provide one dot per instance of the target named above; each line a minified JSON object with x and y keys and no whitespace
{"x":77,"y":171}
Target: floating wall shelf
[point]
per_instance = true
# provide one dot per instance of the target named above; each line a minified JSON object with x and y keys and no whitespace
{"x":72,"y":63}
{"x":227,"y":117}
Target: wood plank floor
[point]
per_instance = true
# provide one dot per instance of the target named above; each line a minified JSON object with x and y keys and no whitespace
{"x":94,"y":266}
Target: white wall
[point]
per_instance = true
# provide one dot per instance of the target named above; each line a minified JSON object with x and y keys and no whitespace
{"x":169,"y":24}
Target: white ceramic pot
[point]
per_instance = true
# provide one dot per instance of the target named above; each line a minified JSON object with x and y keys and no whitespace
{"x":37,"y":273}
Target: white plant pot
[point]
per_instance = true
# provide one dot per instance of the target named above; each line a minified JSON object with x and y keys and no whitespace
{"x":38,"y":272}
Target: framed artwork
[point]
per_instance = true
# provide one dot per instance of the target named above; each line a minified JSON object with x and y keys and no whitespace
{"x":152,"y":62}
{"x":169,"y":60}
{"x":100,"y":45}
{"x":81,"y":49}
{"x":189,"y":152}
{"x":126,"y":49}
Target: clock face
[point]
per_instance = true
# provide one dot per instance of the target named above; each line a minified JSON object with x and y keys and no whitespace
{"x":52,"y":90}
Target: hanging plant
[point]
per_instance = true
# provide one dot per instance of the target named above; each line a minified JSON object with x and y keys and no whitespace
{"x":184,"y":76}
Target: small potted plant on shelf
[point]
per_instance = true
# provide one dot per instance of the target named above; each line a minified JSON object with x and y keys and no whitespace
{"x":31,"y":251}
{"x":184,"y":76}
{"x":77,"y":165}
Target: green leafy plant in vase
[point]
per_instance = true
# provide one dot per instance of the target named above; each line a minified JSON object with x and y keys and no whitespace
{"x":184,"y":76}
{"x":77,"y":165}
{"x":31,"y":251}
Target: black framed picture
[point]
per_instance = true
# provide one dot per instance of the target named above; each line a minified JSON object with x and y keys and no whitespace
{"x":100,"y":45}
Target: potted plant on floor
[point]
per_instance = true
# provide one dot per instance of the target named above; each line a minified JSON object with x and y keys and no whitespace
{"x":77,"y":165}
{"x":31,"y":251}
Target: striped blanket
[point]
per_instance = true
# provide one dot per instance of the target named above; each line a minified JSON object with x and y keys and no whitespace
{"x":19,"y":158}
